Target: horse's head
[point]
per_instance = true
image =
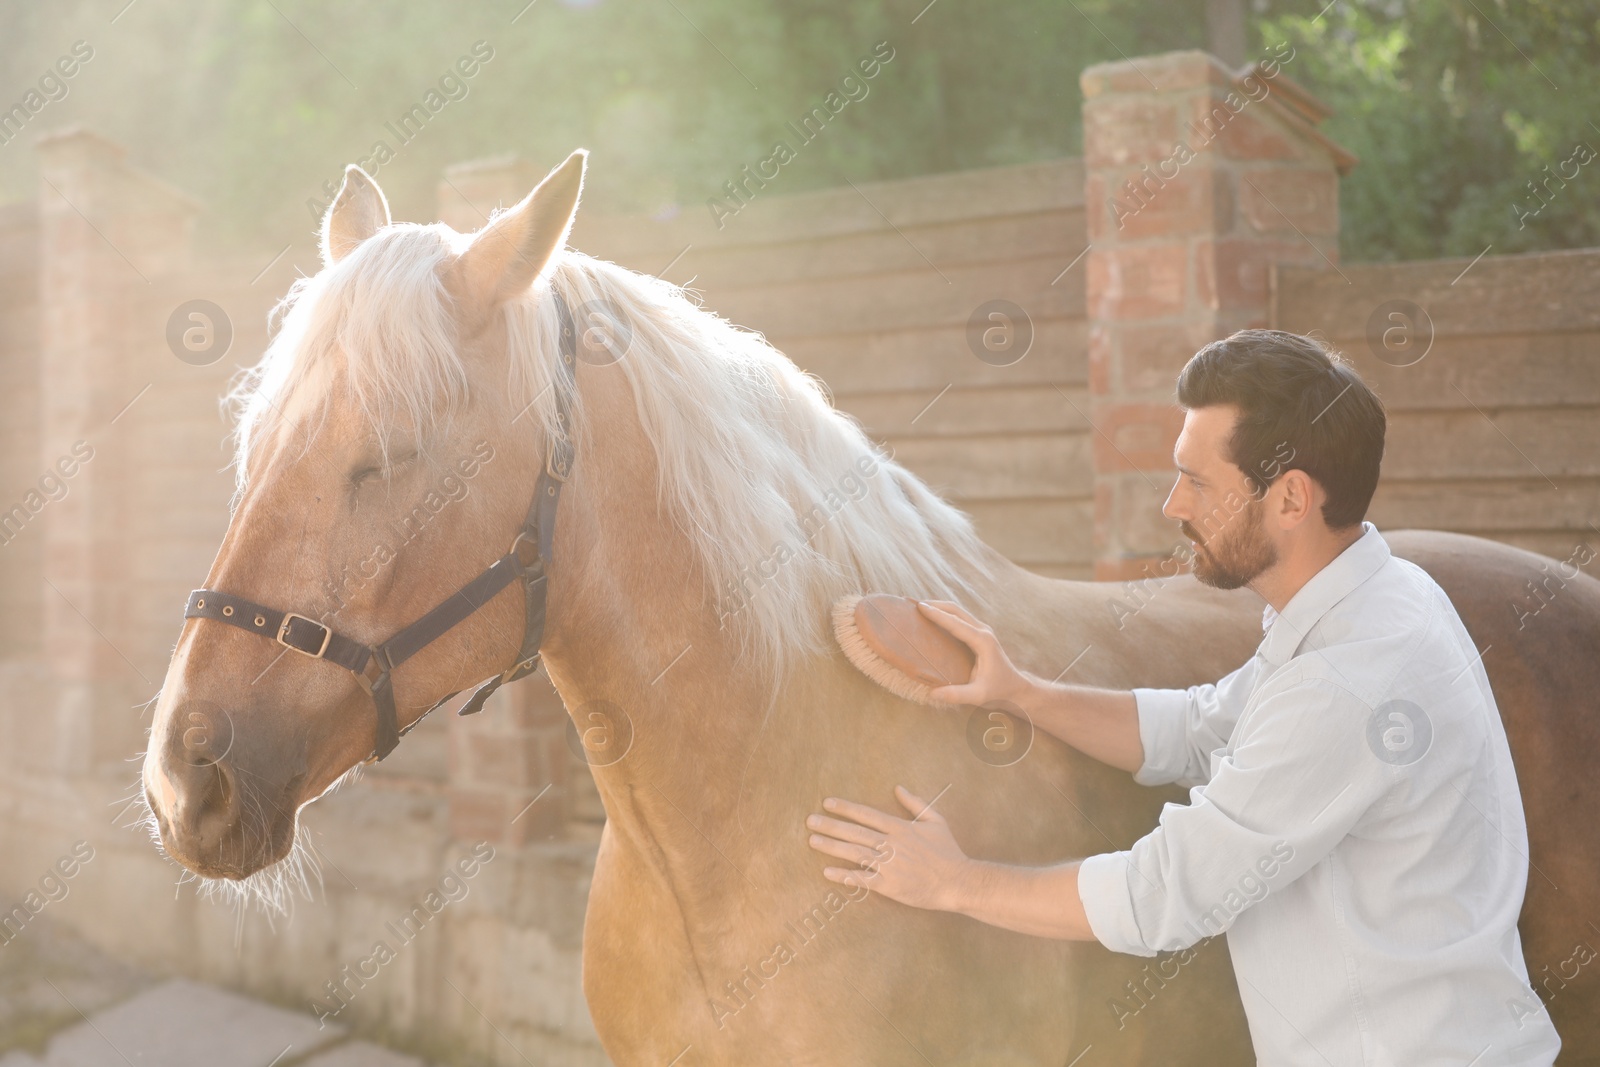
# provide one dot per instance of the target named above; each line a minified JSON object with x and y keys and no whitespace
{"x":388,"y":449}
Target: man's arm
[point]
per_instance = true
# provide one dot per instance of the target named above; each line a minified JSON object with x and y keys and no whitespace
{"x":916,"y":861}
{"x":1276,"y":806}
{"x":1042,"y":901}
{"x":1158,"y":735}
{"x":1101,"y":723}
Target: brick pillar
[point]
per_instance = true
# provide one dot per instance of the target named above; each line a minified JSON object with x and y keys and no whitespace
{"x":1198,"y":181}
{"x":515,"y":750}
{"x":106,"y":231}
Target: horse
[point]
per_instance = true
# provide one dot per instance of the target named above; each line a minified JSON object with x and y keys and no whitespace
{"x":712,"y":506}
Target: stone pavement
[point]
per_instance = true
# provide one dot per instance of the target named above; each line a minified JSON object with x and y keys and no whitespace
{"x":64,"y":1005}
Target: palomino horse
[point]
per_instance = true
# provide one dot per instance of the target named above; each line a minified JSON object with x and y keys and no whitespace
{"x":716,"y":507}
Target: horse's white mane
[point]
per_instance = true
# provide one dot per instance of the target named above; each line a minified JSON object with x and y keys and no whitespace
{"x":763,"y":474}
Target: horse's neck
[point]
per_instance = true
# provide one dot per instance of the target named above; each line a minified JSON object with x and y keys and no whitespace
{"x":724,"y":760}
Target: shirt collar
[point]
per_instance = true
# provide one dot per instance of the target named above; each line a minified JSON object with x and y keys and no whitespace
{"x":1286,"y":629}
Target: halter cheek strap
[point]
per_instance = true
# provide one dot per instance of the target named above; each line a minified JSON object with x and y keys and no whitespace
{"x":528,"y":559}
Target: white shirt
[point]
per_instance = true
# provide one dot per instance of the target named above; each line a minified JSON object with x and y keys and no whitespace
{"x":1355,"y":828}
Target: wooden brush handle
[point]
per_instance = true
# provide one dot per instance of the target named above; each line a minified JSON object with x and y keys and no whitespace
{"x":904,"y":638}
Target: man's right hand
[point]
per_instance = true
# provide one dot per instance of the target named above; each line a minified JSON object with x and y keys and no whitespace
{"x":995,"y":679}
{"x":1101,"y":723}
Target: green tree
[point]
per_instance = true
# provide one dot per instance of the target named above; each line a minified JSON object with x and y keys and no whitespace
{"x":1454,"y":106}
{"x":1469,"y":116}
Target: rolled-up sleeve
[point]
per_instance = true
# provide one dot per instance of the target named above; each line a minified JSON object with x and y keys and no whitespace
{"x":1163,"y":731}
{"x":1274,"y":807}
{"x":1103,"y":888}
{"x":1180,"y":728}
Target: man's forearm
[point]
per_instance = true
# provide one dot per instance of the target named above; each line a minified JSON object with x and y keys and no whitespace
{"x":1041,"y":901}
{"x":1101,"y":723}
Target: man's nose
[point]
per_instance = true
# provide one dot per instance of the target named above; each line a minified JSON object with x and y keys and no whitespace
{"x":1174,"y":508}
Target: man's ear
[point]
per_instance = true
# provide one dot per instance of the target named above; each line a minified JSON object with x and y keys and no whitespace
{"x":358,"y":212}
{"x":507,"y":255}
{"x":1299,"y":498}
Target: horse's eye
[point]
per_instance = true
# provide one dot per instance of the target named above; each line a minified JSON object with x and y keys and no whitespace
{"x":362,"y":475}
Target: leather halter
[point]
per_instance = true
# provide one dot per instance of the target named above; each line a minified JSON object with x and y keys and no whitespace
{"x":528,"y":559}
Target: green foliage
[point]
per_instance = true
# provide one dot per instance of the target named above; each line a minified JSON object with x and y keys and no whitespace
{"x":255,"y":104}
{"x":1456,"y":108}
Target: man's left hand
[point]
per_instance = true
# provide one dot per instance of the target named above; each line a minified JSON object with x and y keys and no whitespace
{"x":915,"y":861}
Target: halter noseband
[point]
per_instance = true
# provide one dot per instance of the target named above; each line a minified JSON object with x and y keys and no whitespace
{"x":528,"y":559}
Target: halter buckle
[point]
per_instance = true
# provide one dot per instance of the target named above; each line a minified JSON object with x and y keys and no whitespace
{"x":526,"y":550}
{"x":289,"y":618}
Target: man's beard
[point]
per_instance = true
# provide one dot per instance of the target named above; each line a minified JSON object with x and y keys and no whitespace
{"x":1239,"y":552}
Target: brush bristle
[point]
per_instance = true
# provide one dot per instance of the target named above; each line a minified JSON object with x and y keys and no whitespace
{"x":869,"y":663}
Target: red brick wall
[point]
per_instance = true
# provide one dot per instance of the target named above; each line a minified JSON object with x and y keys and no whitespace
{"x":1183,"y":247}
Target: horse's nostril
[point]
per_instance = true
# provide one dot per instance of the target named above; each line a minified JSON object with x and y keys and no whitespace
{"x":207,"y":800}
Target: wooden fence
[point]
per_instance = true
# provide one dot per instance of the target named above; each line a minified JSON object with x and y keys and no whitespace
{"x":872,"y":288}
{"x":1490,"y":371}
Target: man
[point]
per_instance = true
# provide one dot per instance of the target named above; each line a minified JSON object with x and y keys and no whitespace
{"x":1355,"y":825}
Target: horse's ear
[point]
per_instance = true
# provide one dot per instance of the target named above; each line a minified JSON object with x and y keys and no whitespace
{"x":507,"y":255}
{"x":357,"y":213}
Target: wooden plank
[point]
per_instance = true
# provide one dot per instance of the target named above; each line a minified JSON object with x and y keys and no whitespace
{"x":1532,"y":443}
{"x":966,"y":411}
{"x":1058,"y":234}
{"x":1526,"y":371}
{"x":931,"y":358}
{"x":1035,"y":532}
{"x":1000,"y":466}
{"x":899,"y":299}
{"x":1487,"y":504}
{"x":1538,"y":293}
{"x":1052,"y":185}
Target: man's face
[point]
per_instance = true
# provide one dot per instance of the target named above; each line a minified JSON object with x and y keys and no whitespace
{"x":1215,"y":505}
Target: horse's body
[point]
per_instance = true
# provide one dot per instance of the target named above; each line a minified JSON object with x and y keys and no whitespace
{"x":706,"y":462}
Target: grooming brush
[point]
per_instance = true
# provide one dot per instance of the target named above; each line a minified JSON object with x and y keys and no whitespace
{"x":895,"y":645}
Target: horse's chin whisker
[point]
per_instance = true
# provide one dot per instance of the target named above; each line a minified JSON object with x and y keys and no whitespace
{"x":271,"y":890}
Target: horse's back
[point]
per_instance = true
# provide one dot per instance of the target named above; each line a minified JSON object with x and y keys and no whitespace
{"x":1536,"y":622}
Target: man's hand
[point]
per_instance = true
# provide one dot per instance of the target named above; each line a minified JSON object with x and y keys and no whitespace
{"x":1102,"y":723}
{"x":915,"y":861}
{"x":995,"y":679}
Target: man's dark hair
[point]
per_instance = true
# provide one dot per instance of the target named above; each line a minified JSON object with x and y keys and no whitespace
{"x":1293,"y":392}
